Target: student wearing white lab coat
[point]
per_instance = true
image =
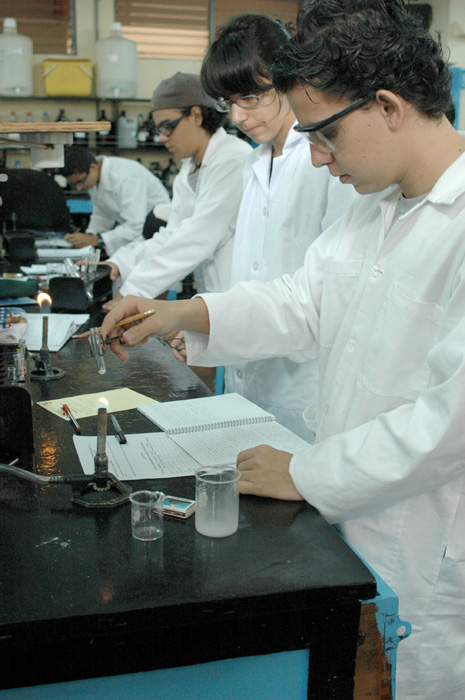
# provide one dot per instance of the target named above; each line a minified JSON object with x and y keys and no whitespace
{"x":380,"y":299}
{"x":279,"y":218}
{"x":286,"y":201}
{"x":199,"y":235}
{"x":122,"y":191}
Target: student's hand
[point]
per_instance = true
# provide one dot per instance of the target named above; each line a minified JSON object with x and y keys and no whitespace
{"x":81,"y":240}
{"x":169,"y":316}
{"x":265,"y":472}
{"x":111,"y":303}
{"x":178,"y":347}
{"x":114,"y":271}
{"x":164,"y":322}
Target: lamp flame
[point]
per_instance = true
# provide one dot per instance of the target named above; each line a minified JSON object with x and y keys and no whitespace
{"x":45,"y":302}
{"x":103,"y":402}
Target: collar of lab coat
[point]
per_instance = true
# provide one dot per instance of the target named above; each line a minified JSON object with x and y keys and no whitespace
{"x":103,"y":180}
{"x":260,"y":158}
{"x":451,"y":184}
{"x":215,"y":142}
{"x":445,"y":190}
{"x":293,"y":139}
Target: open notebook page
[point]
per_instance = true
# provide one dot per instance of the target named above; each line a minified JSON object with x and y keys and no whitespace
{"x":204,"y":413}
{"x":221,"y":446}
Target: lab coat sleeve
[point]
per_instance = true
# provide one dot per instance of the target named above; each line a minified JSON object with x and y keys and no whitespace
{"x":132,"y":199}
{"x":182,"y":246}
{"x":128,"y":256}
{"x":412,"y":449}
{"x":99,"y":221}
{"x":257,"y":320}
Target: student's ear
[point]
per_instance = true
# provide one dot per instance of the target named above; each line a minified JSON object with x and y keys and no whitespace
{"x":392,"y":108}
{"x":196,"y":113}
{"x":96,"y":167}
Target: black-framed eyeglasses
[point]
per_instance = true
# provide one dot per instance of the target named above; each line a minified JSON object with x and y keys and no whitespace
{"x":167,"y":128}
{"x":327,"y":134}
{"x":224,"y":104}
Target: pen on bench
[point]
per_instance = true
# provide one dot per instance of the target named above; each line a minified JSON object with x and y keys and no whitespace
{"x":66,"y":409}
{"x":123,"y":322}
{"x":119,"y":433}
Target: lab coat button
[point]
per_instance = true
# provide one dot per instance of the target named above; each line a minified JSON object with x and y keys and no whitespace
{"x":352,"y":344}
{"x":255,"y":266}
{"x":239,"y":374}
{"x":326,"y":408}
{"x":376,"y":270}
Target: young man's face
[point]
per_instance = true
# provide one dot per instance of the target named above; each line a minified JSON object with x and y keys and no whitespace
{"x":85,"y":181}
{"x":355,"y":147}
{"x":180,"y":132}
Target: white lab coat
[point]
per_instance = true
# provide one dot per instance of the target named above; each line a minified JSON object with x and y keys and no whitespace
{"x":199,"y":235}
{"x":387,"y":318}
{"x":278,"y":219}
{"x":125,"y":194}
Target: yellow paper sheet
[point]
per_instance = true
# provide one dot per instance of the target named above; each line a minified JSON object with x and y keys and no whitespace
{"x":86,"y":405}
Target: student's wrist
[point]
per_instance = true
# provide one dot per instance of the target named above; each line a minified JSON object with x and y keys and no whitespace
{"x":193,"y":315}
{"x":99,"y":242}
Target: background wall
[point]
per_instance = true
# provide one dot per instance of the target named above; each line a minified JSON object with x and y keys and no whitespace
{"x":94,"y":18}
{"x":93,"y":21}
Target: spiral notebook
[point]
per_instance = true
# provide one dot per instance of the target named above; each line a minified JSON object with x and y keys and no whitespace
{"x":214,"y":429}
{"x":207,"y":413}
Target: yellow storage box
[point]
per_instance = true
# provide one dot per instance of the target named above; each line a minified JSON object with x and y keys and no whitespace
{"x":68,"y":77}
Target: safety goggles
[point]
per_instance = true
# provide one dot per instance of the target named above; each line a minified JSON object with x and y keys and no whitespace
{"x":328,"y":133}
{"x":81,"y":180}
{"x":224,"y":104}
{"x":167,"y":128}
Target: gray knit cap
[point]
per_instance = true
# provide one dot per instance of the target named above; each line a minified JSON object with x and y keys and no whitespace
{"x":179,"y":91}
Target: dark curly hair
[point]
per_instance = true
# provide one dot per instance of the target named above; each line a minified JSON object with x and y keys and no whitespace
{"x":211,"y":118}
{"x":242,"y":55}
{"x":352,"y":48}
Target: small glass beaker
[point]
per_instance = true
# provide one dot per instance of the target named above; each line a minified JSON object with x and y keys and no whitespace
{"x":217,"y":501}
{"x":147,"y":514}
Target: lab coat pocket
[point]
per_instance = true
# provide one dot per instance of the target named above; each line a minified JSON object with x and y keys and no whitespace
{"x":339,"y":280}
{"x":394,"y":362}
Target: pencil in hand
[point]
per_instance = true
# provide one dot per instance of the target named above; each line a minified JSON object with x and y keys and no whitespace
{"x":123,"y":322}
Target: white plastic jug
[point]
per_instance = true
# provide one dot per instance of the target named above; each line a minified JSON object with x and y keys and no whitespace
{"x":15,"y":60}
{"x":116,"y":64}
{"x":126,"y":131}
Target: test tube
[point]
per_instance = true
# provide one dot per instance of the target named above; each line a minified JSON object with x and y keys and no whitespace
{"x":71,"y":268}
{"x":12,"y":374}
{"x":96,"y":349}
{"x":21,"y":367}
